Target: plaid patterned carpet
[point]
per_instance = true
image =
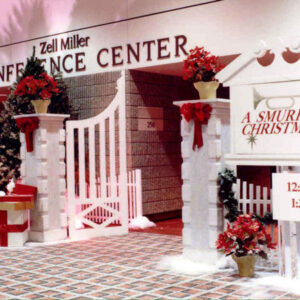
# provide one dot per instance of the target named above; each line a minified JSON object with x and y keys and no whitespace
{"x":115,"y":268}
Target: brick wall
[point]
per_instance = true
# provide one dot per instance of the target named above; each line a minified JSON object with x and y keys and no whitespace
{"x":156,"y":153}
{"x":91,"y":94}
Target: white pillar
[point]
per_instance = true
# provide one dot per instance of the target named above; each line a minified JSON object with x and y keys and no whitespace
{"x":202,"y":213}
{"x":45,"y":169}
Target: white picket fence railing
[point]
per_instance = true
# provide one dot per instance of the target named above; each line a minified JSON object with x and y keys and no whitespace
{"x":258,"y":200}
{"x":134,"y":189}
{"x":253,"y":199}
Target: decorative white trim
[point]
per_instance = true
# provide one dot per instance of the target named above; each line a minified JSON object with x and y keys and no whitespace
{"x":263,"y":160}
{"x":50,"y":117}
{"x":206,"y":101}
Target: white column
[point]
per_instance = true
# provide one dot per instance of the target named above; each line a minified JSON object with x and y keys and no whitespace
{"x":202,"y":212}
{"x":45,"y":169}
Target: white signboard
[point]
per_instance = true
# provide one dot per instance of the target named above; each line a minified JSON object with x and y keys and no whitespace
{"x":90,"y":51}
{"x":266,"y":120}
{"x":286,"y":196}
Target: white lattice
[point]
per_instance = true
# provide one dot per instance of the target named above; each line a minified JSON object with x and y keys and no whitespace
{"x":134,"y":190}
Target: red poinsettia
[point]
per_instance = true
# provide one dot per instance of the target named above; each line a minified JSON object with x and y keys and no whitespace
{"x":247,"y":236}
{"x":42,"y":87}
{"x":201,"y":66}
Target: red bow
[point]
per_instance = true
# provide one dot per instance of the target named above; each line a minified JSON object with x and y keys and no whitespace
{"x":200,"y":113}
{"x":28,"y":126}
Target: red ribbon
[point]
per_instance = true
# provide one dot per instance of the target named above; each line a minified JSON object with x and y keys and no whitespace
{"x":200,"y":113}
{"x":28,"y":126}
{"x":5,"y":228}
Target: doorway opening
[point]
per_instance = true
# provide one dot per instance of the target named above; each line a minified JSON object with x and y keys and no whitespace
{"x":154,"y":140}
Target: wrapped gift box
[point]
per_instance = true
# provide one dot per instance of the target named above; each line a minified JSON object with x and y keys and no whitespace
{"x":14,"y":210}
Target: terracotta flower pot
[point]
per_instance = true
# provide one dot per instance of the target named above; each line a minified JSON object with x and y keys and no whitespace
{"x":207,"y":90}
{"x":245,"y":265}
{"x":41,"y":106}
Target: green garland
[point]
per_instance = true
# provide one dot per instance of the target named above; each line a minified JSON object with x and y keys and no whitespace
{"x":226,"y":197}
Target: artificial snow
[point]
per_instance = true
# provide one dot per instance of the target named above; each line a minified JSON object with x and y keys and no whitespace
{"x":11,"y":185}
{"x":226,"y":262}
{"x":277,"y":282}
{"x":78,"y":223}
{"x":183,"y":265}
{"x":141,"y":222}
{"x":189,"y":266}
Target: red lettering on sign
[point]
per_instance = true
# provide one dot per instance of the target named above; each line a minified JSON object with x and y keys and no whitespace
{"x":162,"y":48}
{"x":148,"y":44}
{"x":103,"y":65}
{"x":116,"y":56}
{"x":67,"y":70}
{"x":180,"y":42}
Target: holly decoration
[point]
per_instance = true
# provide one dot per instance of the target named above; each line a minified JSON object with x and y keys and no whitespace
{"x":226,"y":197}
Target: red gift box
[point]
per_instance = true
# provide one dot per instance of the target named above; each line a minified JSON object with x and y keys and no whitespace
{"x":21,"y":199}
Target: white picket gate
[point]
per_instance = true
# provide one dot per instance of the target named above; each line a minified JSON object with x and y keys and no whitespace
{"x":258,"y":200}
{"x":134,"y":191}
{"x":96,"y":148}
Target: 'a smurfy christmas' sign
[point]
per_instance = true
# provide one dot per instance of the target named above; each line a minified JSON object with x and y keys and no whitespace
{"x":268,"y":124}
{"x":265,"y":104}
{"x":265,"y":130}
{"x":286,"y":196}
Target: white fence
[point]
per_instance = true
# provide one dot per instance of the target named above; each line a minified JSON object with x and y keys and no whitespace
{"x":258,"y":200}
{"x":96,"y":147}
{"x":134,"y":190}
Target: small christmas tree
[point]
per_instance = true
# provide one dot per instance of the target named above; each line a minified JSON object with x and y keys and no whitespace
{"x":17,"y":105}
{"x":9,"y":148}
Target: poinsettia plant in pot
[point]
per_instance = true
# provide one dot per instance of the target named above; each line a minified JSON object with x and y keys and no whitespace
{"x":245,"y":239}
{"x":200,"y":67}
{"x":38,"y":89}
